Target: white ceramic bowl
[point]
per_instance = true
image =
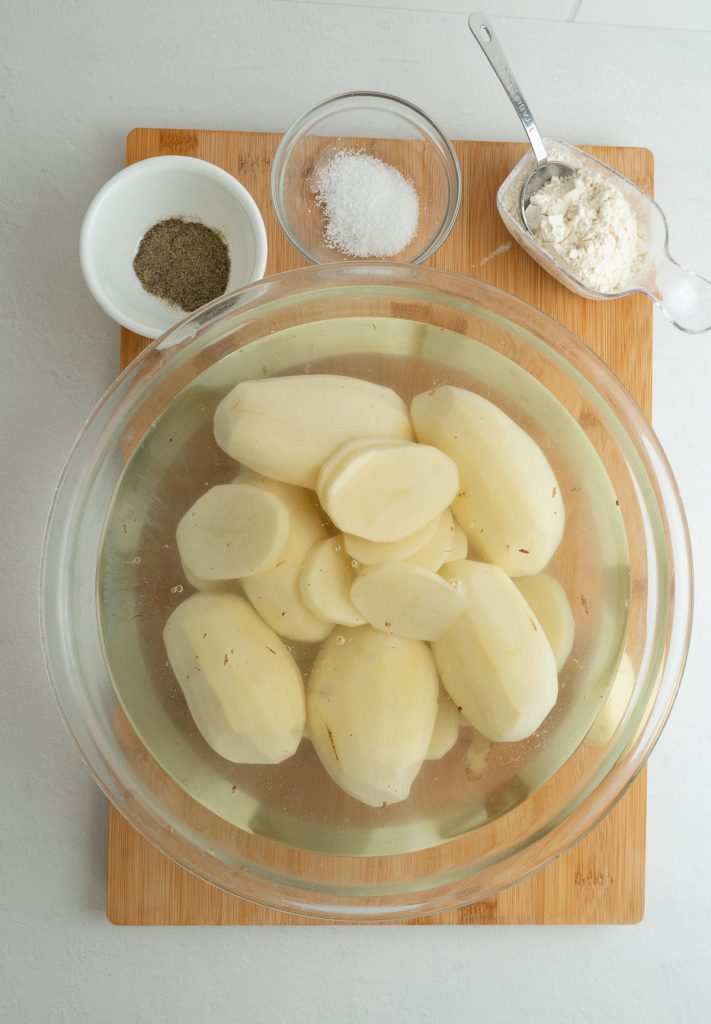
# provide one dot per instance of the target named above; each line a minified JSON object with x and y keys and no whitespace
{"x":150,"y":191}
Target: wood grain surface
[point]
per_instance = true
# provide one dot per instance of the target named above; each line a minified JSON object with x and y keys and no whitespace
{"x":599,"y":881}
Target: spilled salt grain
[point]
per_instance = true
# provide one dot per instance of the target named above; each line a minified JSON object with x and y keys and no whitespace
{"x":369,"y":207}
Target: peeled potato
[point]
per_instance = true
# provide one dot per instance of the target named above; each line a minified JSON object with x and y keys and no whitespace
{"x":509,"y":503}
{"x":242,"y":686}
{"x":615,"y":706}
{"x":407,"y":600}
{"x":446,"y":728}
{"x":219,"y":586}
{"x":287,"y":427}
{"x":369,"y":552}
{"x":476,"y":756}
{"x":233,"y":530}
{"x":276,"y":593}
{"x":371,"y":707}
{"x":326,"y":581}
{"x":495,"y":661}
{"x":549,"y":604}
{"x":385,"y":493}
{"x":440,"y":547}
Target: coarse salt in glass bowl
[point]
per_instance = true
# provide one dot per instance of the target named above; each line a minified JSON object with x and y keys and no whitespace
{"x":285,"y":835}
{"x":372,"y":124}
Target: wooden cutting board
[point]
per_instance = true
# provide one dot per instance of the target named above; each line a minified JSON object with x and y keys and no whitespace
{"x":599,"y":881}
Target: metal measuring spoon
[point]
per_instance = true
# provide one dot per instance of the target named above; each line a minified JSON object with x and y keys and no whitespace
{"x":545,"y":169}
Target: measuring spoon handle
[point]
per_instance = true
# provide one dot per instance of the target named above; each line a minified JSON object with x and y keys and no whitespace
{"x":685,"y":297}
{"x":482,"y":30}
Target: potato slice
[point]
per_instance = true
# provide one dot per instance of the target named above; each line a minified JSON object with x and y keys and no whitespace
{"x":446,"y":728}
{"x":460,"y":545}
{"x":233,"y":530}
{"x":407,"y":600}
{"x":275,"y":593}
{"x":495,"y":661}
{"x":440,"y":547}
{"x":548,"y":602}
{"x":368,"y":552}
{"x":387,"y":492}
{"x":371,"y":706}
{"x":613,"y":710}
{"x":287,"y":427}
{"x":509,"y":502}
{"x":326,"y":581}
{"x":341,"y":454}
{"x":242,"y":686}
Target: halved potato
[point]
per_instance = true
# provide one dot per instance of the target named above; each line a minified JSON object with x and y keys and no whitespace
{"x":369,"y":552}
{"x":495,"y":661}
{"x":387,"y":492}
{"x":287,"y":427}
{"x":549,"y":604}
{"x":614,"y":708}
{"x":448,"y":543}
{"x":276,"y":593}
{"x":243,"y":688}
{"x":233,"y":530}
{"x":326,"y":581}
{"x":371,"y":708}
{"x":407,"y":600}
{"x":509,"y":503}
{"x":341,"y":454}
{"x":213,"y":586}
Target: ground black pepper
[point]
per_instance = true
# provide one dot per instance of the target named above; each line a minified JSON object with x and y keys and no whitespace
{"x":183,"y":262}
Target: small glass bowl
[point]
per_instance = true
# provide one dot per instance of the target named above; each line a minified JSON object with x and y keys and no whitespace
{"x":683,"y":296}
{"x":380,"y":125}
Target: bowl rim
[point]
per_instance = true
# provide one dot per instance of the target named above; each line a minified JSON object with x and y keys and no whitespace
{"x":297,"y":129}
{"x":546,"y":844}
{"x":188,"y":165}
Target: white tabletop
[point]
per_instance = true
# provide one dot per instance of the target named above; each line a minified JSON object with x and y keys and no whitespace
{"x":76,"y":77}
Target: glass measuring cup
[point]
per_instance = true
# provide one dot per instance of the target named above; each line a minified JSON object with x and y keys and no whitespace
{"x":683,"y":296}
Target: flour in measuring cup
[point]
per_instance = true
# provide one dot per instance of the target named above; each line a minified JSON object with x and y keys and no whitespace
{"x":586,"y":225}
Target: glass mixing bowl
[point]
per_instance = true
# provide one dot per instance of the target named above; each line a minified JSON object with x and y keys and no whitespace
{"x":285,"y":835}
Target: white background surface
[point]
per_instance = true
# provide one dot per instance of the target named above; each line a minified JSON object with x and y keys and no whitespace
{"x":76,"y":76}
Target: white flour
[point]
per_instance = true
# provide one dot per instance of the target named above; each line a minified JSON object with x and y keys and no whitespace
{"x":586,"y":224}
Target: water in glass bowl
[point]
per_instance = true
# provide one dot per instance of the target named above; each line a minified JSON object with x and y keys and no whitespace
{"x":140,"y":581}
